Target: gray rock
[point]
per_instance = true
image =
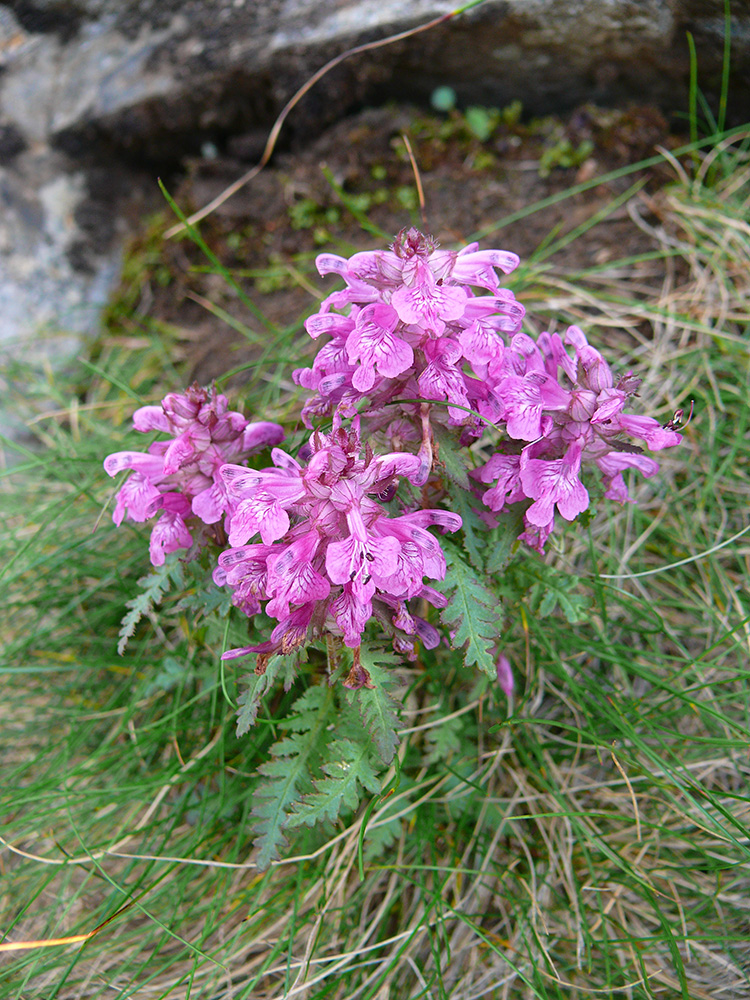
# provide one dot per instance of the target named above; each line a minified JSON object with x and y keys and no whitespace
{"x":140,"y":72}
{"x":107,"y":84}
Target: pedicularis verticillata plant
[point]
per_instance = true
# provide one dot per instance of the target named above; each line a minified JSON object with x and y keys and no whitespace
{"x":428,"y":407}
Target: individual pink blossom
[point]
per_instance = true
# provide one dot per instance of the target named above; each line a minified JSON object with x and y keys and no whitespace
{"x":505,"y":675}
{"x":374,"y":345}
{"x":554,"y":483}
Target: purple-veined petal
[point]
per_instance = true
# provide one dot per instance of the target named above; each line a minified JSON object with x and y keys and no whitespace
{"x":351,"y":615}
{"x":261,"y":434}
{"x":169,"y":534}
{"x":427,"y":304}
{"x":331,"y":263}
{"x":474,"y":267}
{"x":261,"y":513}
{"x":554,"y":483}
{"x":135,"y":496}
{"x":374,"y":344}
{"x":292,"y":577}
{"x":523,"y":407}
{"x":480,"y":344}
{"x":330,"y":323}
{"x":151,"y":466}
{"x":209,"y":505}
{"x":151,"y":418}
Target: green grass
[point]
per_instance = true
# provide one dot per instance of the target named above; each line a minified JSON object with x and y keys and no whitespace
{"x":589,"y":839}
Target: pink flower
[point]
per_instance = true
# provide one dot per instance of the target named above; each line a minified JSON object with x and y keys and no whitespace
{"x":505,"y":472}
{"x":181,"y":476}
{"x":374,"y":345}
{"x":505,"y":675}
{"x":554,"y":484}
{"x":328,"y":544}
{"x":413,"y":319}
{"x":427,"y":304}
{"x":570,"y":411}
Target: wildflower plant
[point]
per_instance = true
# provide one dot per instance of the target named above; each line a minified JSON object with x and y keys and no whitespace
{"x":445,"y":447}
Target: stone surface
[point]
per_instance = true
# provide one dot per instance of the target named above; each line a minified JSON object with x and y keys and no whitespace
{"x":92,"y":86}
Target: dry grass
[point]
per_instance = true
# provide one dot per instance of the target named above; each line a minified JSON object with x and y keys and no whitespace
{"x":593,"y":845}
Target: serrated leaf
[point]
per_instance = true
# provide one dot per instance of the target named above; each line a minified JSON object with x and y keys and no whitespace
{"x":503,"y":539}
{"x":256,"y":685}
{"x":378,"y":710}
{"x":452,"y":457}
{"x":206,"y":600}
{"x":474,"y":531}
{"x":289,"y":774}
{"x":444,"y":740}
{"x":347,"y":766}
{"x":557,"y":589}
{"x":154,"y":587}
{"x":472,"y":613}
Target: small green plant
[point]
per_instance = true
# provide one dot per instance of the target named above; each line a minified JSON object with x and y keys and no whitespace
{"x":562,"y":153}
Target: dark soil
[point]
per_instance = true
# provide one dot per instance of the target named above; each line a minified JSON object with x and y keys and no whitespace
{"x":268,"y":234}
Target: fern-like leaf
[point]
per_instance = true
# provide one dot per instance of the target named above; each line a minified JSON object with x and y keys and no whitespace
{"x":348,"y":766}
{"x":155,"y":586}
{"x":502,"y":541}
{"x":472,"y":613}
{"x":377,"y":708}
{"x":256,"y":685}
{"x":451,"y":457}
{"x":289,"y":773}
{"x":474,"y":531}
{"x":550,"y":588}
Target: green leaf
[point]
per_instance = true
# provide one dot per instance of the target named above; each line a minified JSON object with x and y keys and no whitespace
{"x":503,"y":540}
{"x":558,"y":589}
{"x":451,"y":457}
{"x":289,"y":773}
{"x":472,"y":613}
{"x":207,"y":599}
{"x":258,"y":684}
{"x":547,"y":589}
{"x":347,"y":766}
{"x":155,"y":586}
{"x":474,"y":531}
{"x":377,"y":708}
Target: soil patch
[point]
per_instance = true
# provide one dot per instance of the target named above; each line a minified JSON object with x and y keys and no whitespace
{"x":476,"y":171}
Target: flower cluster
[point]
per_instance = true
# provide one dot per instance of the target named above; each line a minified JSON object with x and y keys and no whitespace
{"x":560,"y":412}
{"x":414,"y":333}
{"x":414,"y":328}
{"x":179,"y":479}
{"x":330,"y":556}
{"x":418,"y":336}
